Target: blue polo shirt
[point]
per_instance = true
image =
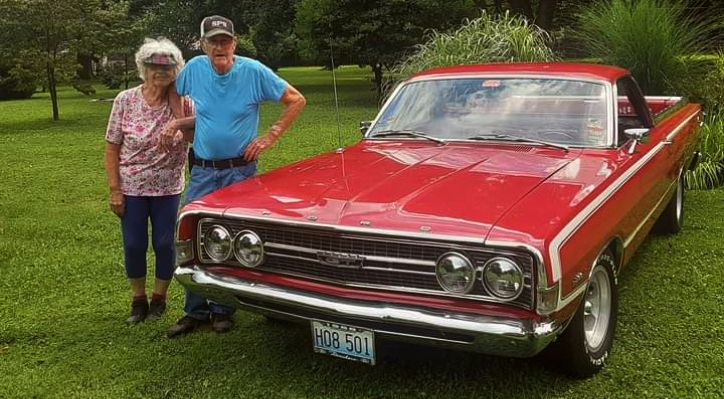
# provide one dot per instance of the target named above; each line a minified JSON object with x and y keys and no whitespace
{"x":227,"y":105}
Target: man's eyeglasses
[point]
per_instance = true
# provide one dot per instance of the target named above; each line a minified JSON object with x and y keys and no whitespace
{"x":220,"y":43}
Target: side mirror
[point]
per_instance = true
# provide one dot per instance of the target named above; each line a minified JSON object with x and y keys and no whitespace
{"x":638,"y":135}
{"x":364,"y":126}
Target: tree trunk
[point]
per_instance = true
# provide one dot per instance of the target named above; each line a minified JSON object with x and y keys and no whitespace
{"x":52,"y":89}
{"x":86,"y":63}
{"x":544,"y":16}
{"x":522,"y":7}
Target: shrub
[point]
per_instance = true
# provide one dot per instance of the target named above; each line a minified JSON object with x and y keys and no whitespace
{"x":710,"y":171}
{"x":502,"y":38}
{"x":654,"y":39}
{"x":113,"y":76}
{"x":706,"y":84}
{"x":16,"y":83}
{"x":84,"y":86}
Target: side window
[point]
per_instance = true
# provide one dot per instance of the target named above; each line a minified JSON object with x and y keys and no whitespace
{"x":632,"y":112}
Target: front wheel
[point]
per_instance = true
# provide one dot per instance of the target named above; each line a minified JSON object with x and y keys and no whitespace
{"x":583,"y":348}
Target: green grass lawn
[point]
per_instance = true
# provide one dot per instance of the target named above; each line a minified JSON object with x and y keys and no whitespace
{"x":64,"y":297}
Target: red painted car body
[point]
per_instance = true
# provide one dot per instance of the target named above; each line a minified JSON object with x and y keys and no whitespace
{"x":353,"y":237}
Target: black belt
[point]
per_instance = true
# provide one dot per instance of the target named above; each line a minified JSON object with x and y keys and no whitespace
{"x":220,"y":163}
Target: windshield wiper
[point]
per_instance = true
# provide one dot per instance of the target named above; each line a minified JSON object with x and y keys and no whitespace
{"x":509,"y":137}
{"x":409,"y":133}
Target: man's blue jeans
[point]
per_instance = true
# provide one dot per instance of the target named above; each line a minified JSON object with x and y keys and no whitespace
{"x":204,"y":181}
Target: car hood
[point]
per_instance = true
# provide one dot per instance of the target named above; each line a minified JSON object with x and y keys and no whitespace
{"x":458,"y":189}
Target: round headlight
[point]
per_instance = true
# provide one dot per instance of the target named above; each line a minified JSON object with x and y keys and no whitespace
{"x":217,"y":243}
{"x":503,"y":278}
{"x":248,"y":249}
{"x":455,"y":273}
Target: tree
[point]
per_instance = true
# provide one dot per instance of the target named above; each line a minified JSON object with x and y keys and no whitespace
{"x":51,"y":33}
{"x":179,"y":20}
{"x":271,"y":28}
{"x":372,"y":32}
{"x":123,"y":34}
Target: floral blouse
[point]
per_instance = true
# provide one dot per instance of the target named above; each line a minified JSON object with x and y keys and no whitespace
{"x":144,"y":170}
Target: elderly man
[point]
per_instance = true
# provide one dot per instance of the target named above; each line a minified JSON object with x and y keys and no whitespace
{"x":227,"y":90}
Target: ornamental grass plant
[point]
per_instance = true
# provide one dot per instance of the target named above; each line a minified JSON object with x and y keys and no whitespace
{"x":489,"y":38}
{"x":666,"y":49}
{"x":657,"y":40}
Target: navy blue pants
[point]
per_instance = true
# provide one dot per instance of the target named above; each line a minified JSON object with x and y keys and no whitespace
{"x":162,"y":211}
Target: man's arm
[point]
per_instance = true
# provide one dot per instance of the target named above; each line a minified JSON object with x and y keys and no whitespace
{"x":293,"y":102}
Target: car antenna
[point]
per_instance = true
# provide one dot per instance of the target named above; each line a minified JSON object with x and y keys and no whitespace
{"x":336,"y":100}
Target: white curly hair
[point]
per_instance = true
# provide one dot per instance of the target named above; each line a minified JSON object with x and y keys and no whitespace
{"x":160,"y":46}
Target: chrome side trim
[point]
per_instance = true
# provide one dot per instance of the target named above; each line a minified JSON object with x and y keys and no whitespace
{"x":495,"y":335}
{"x":679,"y":104}
{"x":575,"y":223}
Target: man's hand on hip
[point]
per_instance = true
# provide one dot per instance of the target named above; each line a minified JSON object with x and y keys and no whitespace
{"x":258,"y":146}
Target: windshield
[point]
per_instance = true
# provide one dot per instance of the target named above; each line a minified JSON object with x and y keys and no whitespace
{"x":569,"y":112}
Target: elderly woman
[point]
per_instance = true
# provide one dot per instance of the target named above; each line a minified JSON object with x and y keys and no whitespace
{"x":145,"y":182}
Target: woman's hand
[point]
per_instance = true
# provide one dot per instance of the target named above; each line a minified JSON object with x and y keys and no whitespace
{"x":168,"y":137}
{"x":117,"y":203}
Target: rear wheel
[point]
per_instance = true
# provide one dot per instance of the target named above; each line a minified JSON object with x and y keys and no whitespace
{"x":672,"y":219}
{"x":583,"y":348}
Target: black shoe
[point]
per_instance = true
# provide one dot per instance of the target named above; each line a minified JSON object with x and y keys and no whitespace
{"x":185,"y":325}
{"x":156,"y":310}
{"x":139,"y":311}
{"x":221,"y":323}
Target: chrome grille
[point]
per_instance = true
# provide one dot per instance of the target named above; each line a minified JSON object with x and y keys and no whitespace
{"x":389,"y":262}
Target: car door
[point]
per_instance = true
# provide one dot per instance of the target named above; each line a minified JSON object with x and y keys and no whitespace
{"x":651,"y":165}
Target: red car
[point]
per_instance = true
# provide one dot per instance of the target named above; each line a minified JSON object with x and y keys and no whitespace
{"x":488,"y":208}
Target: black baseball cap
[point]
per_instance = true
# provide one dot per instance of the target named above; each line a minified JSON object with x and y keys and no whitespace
{"x":216,"y":25}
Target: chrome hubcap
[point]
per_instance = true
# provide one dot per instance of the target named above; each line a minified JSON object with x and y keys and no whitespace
{"x":597,"y":308}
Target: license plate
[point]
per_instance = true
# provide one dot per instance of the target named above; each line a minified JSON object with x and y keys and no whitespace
{"x":347,"y":342}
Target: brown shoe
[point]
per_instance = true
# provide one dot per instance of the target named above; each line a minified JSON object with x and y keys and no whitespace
{"x":185,"y":325}
{"x":139,"y":311}
{"x":221,"y":323}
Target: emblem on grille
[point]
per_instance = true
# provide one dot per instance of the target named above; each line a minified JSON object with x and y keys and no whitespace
{"x":338,"y":259}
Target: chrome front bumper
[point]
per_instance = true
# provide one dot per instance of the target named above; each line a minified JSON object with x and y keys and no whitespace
{"x":471,"y":332}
